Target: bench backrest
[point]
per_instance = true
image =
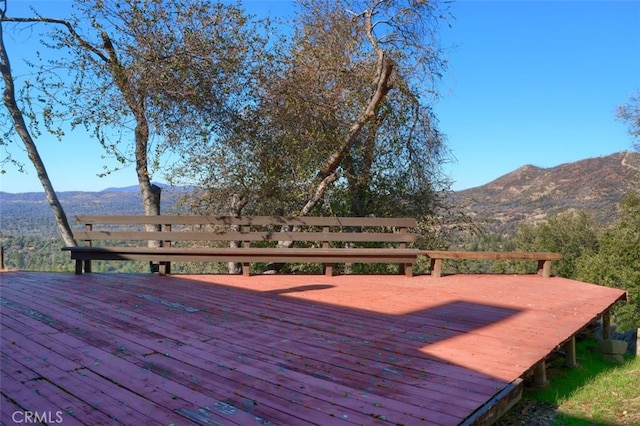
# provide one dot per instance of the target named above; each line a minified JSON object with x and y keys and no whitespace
{"x":173,"y":228}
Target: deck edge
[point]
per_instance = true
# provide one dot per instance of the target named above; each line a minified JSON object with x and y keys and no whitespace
{"x":497,"y":406}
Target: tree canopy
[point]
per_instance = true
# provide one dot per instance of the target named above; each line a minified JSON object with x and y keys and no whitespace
{"x":332,"y":117}
{"x":147,"y":77}
{"x":343,"y":122}
{"x":616,"y":263}
{"x":630,"y":113}
{"x":572,"y":233}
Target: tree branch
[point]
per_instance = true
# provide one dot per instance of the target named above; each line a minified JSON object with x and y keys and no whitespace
{"x":83,"y":43}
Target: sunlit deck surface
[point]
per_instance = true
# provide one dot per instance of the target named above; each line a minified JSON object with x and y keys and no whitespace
{"x":135,"y":349}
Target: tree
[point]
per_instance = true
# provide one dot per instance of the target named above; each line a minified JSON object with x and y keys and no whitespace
{"x":20,"y":126}
{"x":630,"y":112}
{"x":353,"y":82}
{"x":166,"y":74}
{"x":617,"y":261}
{"x":573,"y":234}
{"x":342,"y":123}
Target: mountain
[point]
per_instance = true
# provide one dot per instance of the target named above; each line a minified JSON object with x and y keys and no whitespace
{"x":530,"y":193}
{"x":28,"y":214}
{"x":526,"y":195}
{"x":136,"y":188}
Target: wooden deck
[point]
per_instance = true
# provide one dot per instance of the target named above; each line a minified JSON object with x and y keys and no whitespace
{"x":101,"y":349}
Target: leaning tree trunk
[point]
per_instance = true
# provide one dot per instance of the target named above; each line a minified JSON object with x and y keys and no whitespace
{"x":32,"y":151}
{"x":329,"y":172}
{"x":150,"y":193}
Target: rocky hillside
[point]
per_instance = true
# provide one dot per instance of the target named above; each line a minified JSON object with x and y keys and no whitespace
{"x":530,"y":193}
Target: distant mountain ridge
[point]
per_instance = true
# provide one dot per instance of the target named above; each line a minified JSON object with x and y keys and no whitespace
{"x":28,"y":214}
{"x":136,"y":188}
{"x":530,"y":193}
{"x":526,"y":195}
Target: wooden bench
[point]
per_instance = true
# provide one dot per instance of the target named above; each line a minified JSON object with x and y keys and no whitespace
{"x":327,"y":240}
{"x":544,"y":258}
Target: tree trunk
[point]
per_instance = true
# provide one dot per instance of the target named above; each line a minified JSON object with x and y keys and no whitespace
{"x":236,"y":204}
{"x":32,"y":151}
{"x":150,"y":193}
{"x":329,"y":171}
{"x":135,"y":102}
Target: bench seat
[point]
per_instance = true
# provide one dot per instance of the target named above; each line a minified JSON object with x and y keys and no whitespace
{"x":543,"y":258}
{"x":162,"y":255}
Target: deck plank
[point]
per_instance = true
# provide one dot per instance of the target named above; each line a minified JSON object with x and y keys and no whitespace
{"x":340,"y":358}
{"x":216,"y":349}
{"x":252,"y":341}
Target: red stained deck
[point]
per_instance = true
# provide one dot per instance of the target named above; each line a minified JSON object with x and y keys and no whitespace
{"x":276,"y":349}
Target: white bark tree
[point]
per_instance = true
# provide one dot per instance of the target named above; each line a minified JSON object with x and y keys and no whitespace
{"x":21,"y":128}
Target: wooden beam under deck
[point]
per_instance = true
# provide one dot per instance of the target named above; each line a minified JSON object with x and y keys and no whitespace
{"x":278,"y":349}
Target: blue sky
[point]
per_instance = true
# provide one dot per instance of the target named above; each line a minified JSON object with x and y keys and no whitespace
{"x":529,"y":82}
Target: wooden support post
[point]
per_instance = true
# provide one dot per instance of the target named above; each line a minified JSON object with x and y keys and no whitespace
{"x":402,"y":267}
{"x":327,"y":268}
{"x":166,"y":228}
{"x":164,"y":268}
{"x":570,"y":348}
{"x":86,"y":264}
{"x":540,"y":375}
{"x":606,"y":324}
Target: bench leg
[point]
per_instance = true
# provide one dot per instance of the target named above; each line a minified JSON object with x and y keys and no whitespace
{"x":164,"y":268}
{"x":87,"y":266}
{"x":544,"y":268}
{"x":408,"y":269}
{"x":327,"y":269}
{"x":436,"y":268}
{"x":79,"y":267}
{"x":245,"y":269}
